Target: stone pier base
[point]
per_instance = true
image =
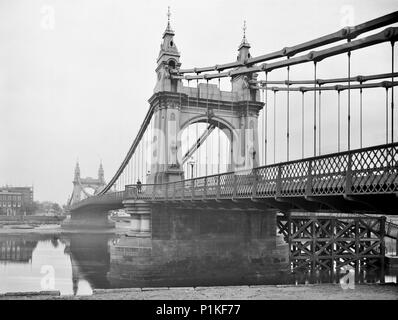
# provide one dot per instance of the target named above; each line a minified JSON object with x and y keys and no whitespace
{"x":140,"y":212}
{"x":87,"y":220}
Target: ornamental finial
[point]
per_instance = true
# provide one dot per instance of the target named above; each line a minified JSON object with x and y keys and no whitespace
{"x":244,"y":31}
{"x":168,"y":17}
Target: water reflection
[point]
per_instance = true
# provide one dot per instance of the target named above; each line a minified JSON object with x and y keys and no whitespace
{"x":29,"y":261}
{"x":199,"y":262}
{"x":201,"y":248}
{"x":16,"y":249}
{"x":89,"y":258}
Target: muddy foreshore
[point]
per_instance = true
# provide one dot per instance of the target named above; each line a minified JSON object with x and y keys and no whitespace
{"x":266,"y":292}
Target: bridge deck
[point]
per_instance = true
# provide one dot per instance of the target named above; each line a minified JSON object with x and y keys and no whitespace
{"x":360,"y":172}
{"x":366,"y":173}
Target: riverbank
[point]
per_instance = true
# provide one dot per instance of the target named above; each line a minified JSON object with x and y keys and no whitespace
{"x":266,"y":292}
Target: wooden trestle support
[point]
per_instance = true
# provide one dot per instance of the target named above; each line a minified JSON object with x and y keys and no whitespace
{"x":330,"y":243}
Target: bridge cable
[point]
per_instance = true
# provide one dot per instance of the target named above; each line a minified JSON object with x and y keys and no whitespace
{"x":338,"y":119}
{"x":247,"y":137}
{"x":132,"y":168}
{"x":349,"y":98}
{"x":142,"y":157}
{"x":207,"y":111}
{"x":231,"y":155}
{"x":146,"y":153}
{"x":175,"y":128}
{"x":197,"y":132}
{"x":314,"y":108}
{"x":260,"y":126}
{"x":262,"y":138}
{"x":126,"y":172}
{"x":218,"y":123}
{"x":135,"y":167}
{"x":266,"y":119}
{"x":392,"y":91}
{"x":151,"y":144}
{"x":319,"y":121}
{"x":360,"y":116}
{"x":386,"y":114}
{"x":302,"y":124}
{"x":188,"y":144}
{"x":149,"y":152}
{"x":129,"y":171}
{"x":140,"y":162}
{"x":275,"y":125}
{"x":287,"y":112}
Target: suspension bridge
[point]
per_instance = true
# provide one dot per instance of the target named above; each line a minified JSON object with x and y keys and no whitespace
{"x":210,"y":145}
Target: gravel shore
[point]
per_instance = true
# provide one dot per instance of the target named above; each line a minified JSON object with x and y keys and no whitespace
{"x":267,"y":292}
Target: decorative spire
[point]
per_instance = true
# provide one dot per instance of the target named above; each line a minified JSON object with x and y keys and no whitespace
{"x":169,"y":58}
{"x":168,"y":29}
{"x":244,"y":46}
{"x":168,"y":18}
{"x":244,"y":42}
{"x":244,"y":32}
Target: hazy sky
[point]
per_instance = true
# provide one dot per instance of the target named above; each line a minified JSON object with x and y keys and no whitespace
{"x":75,"y":75}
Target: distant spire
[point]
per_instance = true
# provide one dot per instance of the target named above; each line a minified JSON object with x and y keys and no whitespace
{"x":101,"y":172}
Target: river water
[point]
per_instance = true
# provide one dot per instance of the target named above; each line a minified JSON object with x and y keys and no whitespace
{"x":208,"y":249}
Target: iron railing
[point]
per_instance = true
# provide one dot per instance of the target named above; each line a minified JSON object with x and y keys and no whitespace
{"x":372,"y":170}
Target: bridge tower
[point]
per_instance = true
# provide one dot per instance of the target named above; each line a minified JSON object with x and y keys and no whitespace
{"x":177,"y":106}
{"x":81,"y":184}
{"x":166,"y":113}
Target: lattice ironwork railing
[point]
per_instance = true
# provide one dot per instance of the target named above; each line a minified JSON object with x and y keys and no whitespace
{"x":371,"y":170}
{"x":365,"y":171}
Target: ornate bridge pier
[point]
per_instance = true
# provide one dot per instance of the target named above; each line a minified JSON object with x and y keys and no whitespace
{"x":176,"y":107}
{"x":141,"y":217}
{"x":89,"y":218}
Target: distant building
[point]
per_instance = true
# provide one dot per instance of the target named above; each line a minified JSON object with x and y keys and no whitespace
{"x":16,"y":200}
